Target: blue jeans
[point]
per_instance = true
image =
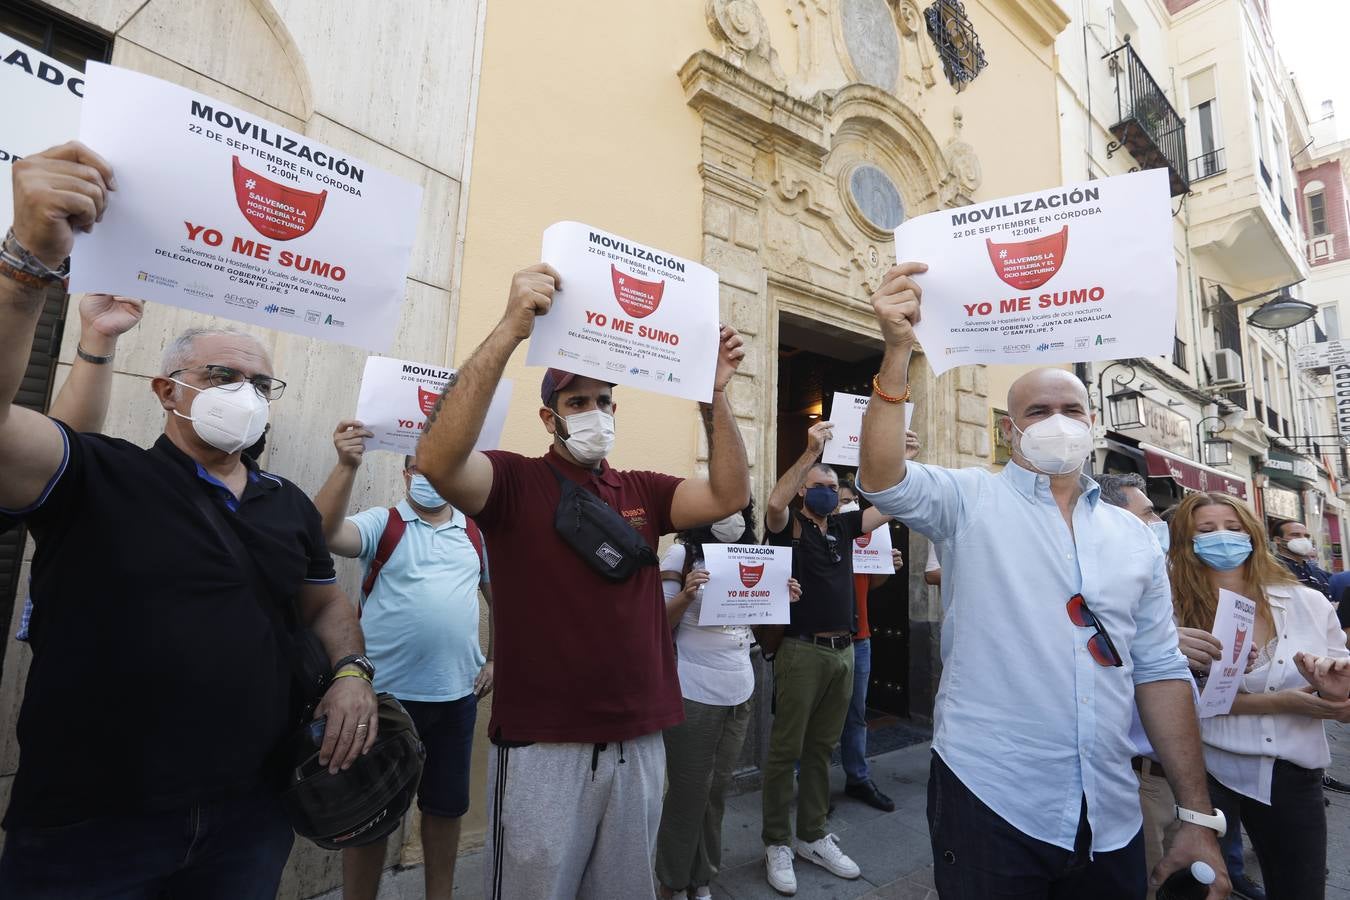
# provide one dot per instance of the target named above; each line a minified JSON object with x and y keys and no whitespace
{"x":1231,"y":845}
{"x":853,"y":739}
{"x":228,"y":849}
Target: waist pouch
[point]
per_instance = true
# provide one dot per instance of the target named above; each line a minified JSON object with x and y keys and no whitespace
{"x":598,"y":534}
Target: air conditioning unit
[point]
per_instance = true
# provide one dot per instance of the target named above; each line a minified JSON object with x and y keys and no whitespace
{"x":1225,"y":368}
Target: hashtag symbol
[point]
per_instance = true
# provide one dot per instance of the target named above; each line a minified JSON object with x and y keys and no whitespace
{"x":250,"y":184}
{"x":1002,"y":254}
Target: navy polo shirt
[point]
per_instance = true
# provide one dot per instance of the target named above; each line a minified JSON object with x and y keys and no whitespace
{"x":157,"y":679}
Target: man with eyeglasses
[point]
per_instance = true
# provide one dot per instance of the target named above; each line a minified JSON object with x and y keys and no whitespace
{"x":813,"y":668}
{"x":168,"y":583}
{"x":1057,"y":618}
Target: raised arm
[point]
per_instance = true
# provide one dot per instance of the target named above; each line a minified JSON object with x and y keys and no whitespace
{"x":726,"y":490}
{"x":445,"y":452}
{"x":882,"y":443}
{"x":55,"y":193}
{"x":82,"y":402}
{"x":333,"y":499}
{"x":776,"y":508}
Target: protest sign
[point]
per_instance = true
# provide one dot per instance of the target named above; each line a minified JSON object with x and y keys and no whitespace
{"x":872,"y":553}
{"x":223,"y":212}
{"x":1076,"y":273}
{"x":42,"y":109}
{"x":397,"y":395}
{"x":1233,"y":625}
{"x":747,"y":585}
{"x":846,"y":415}
{"x":628,"y":314}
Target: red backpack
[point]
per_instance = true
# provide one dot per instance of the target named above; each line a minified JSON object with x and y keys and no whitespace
{"x":394,"y":527}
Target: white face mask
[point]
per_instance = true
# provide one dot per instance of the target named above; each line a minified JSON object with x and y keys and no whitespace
{"x":1302,"y":547}
{"x":851,"y":506}
{"x":590,"y":435}
{"x":730,"y":529}
{"x":227,"y":418}
{"x":1057,"y":445}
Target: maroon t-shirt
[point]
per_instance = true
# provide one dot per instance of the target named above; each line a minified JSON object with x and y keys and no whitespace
{"x":579,"y":659}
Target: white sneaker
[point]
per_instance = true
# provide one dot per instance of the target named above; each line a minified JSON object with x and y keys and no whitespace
{"x":778,"y":864}
{"x":826,"y":854}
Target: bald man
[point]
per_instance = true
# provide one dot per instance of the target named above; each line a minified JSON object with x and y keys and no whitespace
{"x":1057,"y":619}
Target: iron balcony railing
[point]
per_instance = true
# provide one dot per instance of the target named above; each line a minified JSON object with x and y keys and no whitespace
{"x":1208,"y":165}
{"x":1146,"y":123}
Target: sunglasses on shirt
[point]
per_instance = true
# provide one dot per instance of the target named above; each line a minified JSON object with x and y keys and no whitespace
{"x":1099,"y":645}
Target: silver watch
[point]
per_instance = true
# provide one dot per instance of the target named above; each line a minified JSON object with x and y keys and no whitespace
{"x":15,"y":254}
{"x":1216,"y":822}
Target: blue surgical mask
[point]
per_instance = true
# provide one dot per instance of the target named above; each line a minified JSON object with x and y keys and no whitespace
{"x":822,"y":499}
{"x":1163,"y":533}
{"x":1222,"y":550}
{"x":423,"y":494}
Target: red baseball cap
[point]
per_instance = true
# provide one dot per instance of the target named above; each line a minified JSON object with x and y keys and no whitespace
{"x":556,"y":380}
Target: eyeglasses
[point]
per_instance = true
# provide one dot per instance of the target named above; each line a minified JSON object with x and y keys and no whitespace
{"x":833,"y":543}
{"x":1099,"y":645}
{"x":268,"y":388}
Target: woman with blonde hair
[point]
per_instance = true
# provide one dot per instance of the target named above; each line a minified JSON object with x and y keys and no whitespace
{"x":1265,"y":757}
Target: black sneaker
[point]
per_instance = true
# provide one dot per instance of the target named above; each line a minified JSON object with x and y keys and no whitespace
{"x":1331,"y":784}
{"x":867,"y":792}
{"x":1246,"y":889}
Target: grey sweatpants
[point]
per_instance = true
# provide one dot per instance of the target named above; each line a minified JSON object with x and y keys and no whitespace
{"x":572,"y":821}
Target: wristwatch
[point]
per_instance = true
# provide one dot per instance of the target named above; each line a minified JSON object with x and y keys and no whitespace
{"x":24,"y":267}
{"x":1216,"y":822}
{"x":361,"y":662}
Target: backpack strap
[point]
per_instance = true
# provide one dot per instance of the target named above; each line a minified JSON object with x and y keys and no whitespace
{"x":394,"y":527}
{"x":476,"y":538}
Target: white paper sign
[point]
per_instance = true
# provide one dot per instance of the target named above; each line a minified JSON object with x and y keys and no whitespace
{"x":42,"y":109}
{"x":1322,"y":354}
{"x":1233,"y":626}
{"x":872,"y":553}
{"x":1071,"y":274}
{"x":223,"y":212}
{"x":747,"y":585}
{"x":846,"y":415}
{"x":628,"y":314}
{"x":396,"y":396}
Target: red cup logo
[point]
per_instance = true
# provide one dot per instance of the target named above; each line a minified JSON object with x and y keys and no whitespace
{"x":637,"y":297}
{"x":864,"y":540}
{"x":1029,"y":264}
{"x":427,"y":400}
{"x":277,"y":211}
{"x":751,"y":573}
{"x":1238,"y":637}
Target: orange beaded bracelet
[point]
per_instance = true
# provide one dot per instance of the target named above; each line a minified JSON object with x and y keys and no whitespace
{"x":876,"y":388}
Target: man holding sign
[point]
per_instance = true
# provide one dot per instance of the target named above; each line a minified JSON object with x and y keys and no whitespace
{"x":813,"y":668}
{"x":585,"y":678}
{"x":1036,"y":568}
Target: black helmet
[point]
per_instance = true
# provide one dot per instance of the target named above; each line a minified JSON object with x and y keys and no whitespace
{"x":367,"y":801}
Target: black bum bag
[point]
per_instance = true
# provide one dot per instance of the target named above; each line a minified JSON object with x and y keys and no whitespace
{"x":598,"y":534}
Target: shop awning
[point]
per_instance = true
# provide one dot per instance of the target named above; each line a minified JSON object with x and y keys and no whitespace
{"x":1191,"y":474}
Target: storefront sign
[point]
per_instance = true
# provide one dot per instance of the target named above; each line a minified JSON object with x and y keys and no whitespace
{"x":1291,"y":466}
{"x":1074,"y":273}
{"x":226,"y":213}
{"x":1282,"y":503}
{"x":1341,"y":386}
{"x":397,"y":396}
{"x":747,"y":584}
{"x":42,"y":109}
{"x":628,"y":314}
{"x":1323,"y":354}
{"x":1166,"y":429}
{"x":1190,"y":474}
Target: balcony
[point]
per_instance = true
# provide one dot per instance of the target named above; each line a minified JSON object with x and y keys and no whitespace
{"x":1208,"y":165}
{"x":1146,"y":123}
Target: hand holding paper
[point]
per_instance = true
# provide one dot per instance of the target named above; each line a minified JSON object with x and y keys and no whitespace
{"x":730,"y":353}
{"x":56,"y":193}
{"x":1330,"y":676}
{"x":531,"y":296}
{"x":1234,"y":621}
{"x":896,"y":303}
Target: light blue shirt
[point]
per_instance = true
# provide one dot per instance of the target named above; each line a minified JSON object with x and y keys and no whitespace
{"x":1025,"y":717}
{"x":421,"y":618}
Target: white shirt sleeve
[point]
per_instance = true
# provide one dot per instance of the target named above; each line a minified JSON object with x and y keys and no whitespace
{"x":673,"y":561}
{"x":931,"y":500}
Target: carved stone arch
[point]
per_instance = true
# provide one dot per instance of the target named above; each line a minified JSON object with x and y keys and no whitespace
{"x":894,"y":129}
{"x":272,"y":71}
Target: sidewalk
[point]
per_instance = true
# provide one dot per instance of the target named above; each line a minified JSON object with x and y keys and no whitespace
{"x":891,"y":848}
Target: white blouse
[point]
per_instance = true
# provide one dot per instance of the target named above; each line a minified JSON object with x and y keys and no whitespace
{"x":1240,"y":750}
{"x":713,"y":661}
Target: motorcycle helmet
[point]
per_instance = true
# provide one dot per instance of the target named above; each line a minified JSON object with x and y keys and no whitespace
{"x":367,"y":801}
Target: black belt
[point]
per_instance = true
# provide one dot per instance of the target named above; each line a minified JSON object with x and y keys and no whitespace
{"x":837,"y":642}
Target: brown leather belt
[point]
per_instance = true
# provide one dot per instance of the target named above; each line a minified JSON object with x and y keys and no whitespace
{"x":1145,"y":766}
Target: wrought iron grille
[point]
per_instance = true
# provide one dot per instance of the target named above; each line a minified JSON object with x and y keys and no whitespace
{"x":1147,"y":125}
{"x":956,"y":41}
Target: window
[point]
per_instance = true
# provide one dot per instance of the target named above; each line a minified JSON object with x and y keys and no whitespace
{"x":1331,"y":316}
{"x":1317,"y":213}
{"x":1204,"y":135}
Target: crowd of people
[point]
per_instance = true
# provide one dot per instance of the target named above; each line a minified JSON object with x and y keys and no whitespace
{"x":171,"y":589}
